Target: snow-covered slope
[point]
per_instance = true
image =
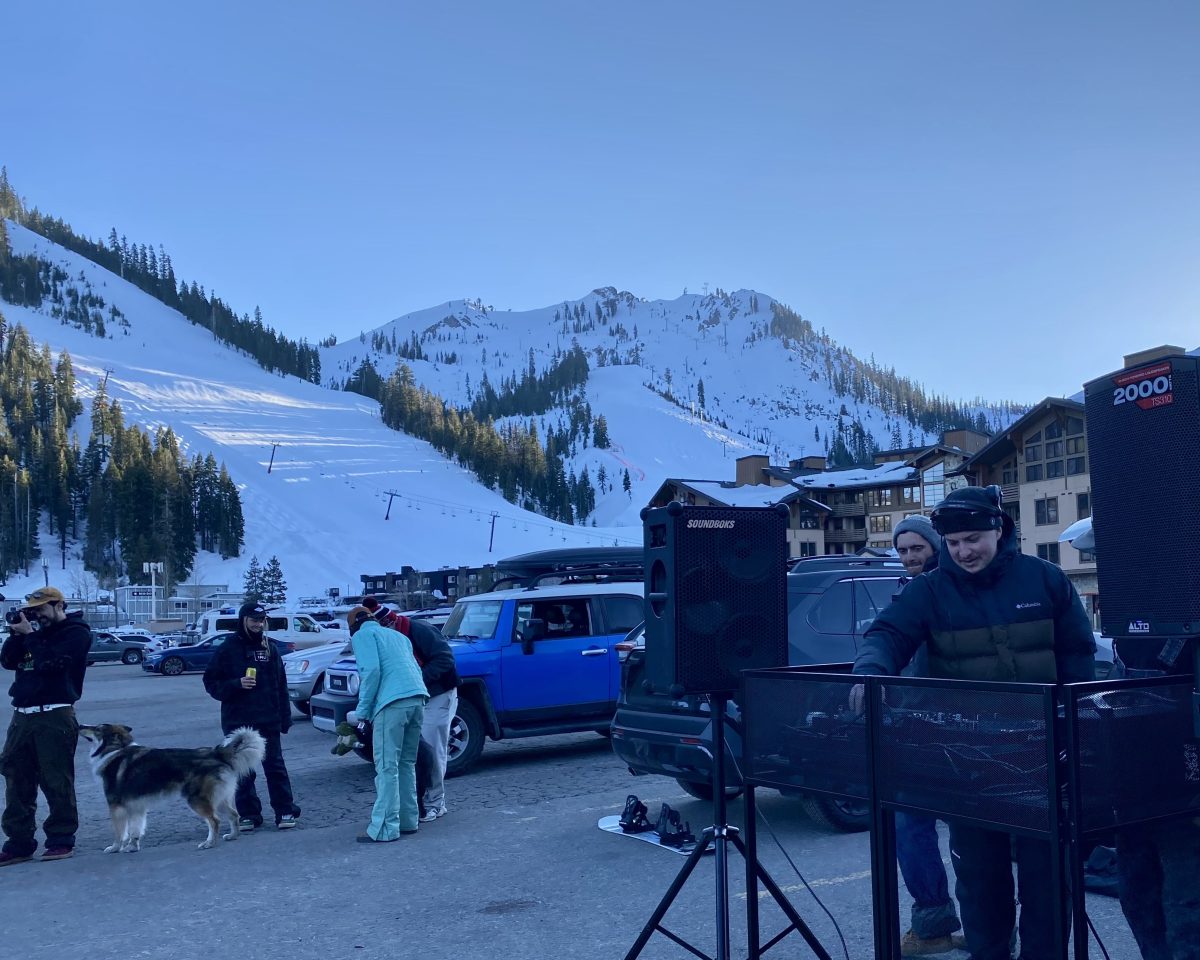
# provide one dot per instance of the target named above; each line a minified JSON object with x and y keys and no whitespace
{"x":685,"y":386}
{"x":321,"y":508}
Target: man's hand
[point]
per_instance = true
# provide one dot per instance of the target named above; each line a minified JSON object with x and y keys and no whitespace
{"x":858,"y":699}
{"x":248,"y":683}
{"x":22,"y":626}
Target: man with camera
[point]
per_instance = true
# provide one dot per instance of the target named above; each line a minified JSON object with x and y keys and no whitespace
{"x":49,"y":663}
{"x":988,"y":612}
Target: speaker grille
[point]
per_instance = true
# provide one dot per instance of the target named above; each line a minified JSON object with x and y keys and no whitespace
{"x":1143,"y":429}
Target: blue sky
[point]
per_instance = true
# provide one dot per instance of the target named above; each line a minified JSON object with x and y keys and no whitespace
{"x":997,"y":198}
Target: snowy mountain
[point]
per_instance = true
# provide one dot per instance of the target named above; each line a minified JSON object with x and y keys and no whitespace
{"x":685,"y":386}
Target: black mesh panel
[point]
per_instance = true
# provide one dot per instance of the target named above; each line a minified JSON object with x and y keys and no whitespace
{"x":961,"y":751}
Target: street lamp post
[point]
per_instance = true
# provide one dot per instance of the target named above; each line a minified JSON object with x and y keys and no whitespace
{"x":45,"y":572}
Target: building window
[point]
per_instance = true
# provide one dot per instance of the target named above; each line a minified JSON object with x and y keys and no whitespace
{"x":911,"y":494}
{"x":1054,"y":450}
{"x":1033,"y":454}
{"x":1009,"y":473}
{"x":1045,"y":511}
{"x":807,"y":548}
{"x":1033,"y":473}
{"x":1054,"y":469}
{"x":1048,"y":551}
{"x":1053,"y":431}
{"x":879,"y":498}
{"x":881,"y":524}
{"x":1076,"y":466}
{"x":1087,"y":556}
{"x":1076,"y":445}
{"x":1083,"y":505}
{"x":1074,"y":426}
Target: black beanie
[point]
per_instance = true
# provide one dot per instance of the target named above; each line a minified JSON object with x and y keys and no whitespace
{"x":969,"y":508}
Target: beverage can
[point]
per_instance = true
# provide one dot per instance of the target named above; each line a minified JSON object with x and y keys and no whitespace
{"x":251,"y":672}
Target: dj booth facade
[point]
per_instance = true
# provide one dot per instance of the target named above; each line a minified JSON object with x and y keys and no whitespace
{"x":1063,"y":764}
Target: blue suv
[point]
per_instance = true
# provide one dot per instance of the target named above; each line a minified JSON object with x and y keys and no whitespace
{"x":533,"y":661}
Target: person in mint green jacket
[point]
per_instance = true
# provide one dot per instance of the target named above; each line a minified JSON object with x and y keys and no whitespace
{"x":391,"y":695}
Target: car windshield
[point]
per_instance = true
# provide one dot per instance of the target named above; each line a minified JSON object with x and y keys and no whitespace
{"x":473,"y":620}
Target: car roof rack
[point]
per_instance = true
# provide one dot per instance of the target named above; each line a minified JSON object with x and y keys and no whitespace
{"x":830,"y":561}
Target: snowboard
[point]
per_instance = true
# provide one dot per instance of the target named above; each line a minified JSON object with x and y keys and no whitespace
{"x":613,"y":825}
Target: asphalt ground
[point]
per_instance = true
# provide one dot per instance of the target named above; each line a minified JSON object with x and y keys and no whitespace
{"x":517,"y":869}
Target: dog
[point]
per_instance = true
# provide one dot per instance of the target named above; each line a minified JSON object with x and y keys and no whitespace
{"x":134,"y":778}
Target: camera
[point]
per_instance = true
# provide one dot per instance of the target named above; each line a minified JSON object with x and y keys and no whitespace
{"x":12,"y":616}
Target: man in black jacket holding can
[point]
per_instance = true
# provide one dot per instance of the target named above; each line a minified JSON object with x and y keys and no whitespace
{"x":40,"y":747}
{"x":246,"y":674}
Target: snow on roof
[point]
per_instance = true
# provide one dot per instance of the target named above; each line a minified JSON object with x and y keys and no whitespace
{"x":747,"y":495}
{"x":858,"y":477}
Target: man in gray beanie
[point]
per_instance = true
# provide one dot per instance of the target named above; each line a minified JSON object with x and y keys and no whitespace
{"x":916,"y":541}
{"x":934,"y":919}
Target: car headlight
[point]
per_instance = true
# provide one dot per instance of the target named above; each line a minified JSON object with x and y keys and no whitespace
{"x":295,"y":666}
{"x":352,"y":684}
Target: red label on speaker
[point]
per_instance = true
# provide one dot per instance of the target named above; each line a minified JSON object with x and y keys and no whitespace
{"x":1148,"y":387}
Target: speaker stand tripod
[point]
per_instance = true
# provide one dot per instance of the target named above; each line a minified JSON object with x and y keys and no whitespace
{"x":719,"y":835}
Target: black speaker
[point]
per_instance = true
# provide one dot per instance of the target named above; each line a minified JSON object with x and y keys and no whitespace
{"x":716,"y":595}
{"x":1143,"y":438}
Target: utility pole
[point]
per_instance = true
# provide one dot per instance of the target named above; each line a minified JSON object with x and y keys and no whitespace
{"x":274,"y":446}
{"x":492,"y":535}
{"x":392,"y":495}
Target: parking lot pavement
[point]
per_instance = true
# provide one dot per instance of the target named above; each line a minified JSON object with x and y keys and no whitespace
{"x":516,"y":870}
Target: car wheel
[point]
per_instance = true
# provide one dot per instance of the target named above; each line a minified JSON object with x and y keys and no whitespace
{"x":466,"y":739}
{"x":131,"y":656}
{"x":704,"y":791}
{"x":847,"y":816}
{"x":172,"y":666}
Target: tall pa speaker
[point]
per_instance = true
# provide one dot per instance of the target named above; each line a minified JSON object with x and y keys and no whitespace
{"x":716,"y":595}
{"x":1143,"y":438}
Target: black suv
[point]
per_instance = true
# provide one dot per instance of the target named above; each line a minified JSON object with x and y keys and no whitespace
{"x":831,"y":603}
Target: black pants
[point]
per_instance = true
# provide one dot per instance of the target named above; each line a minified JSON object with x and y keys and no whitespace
{"x":1158,"y":866}
{"x":279,"y":787}
{"x":39,"y":751}
{"x":984,"y":884}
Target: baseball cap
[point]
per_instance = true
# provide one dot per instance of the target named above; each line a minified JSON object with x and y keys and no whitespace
{"x":255,"y":610}
{"x":44,"y":595}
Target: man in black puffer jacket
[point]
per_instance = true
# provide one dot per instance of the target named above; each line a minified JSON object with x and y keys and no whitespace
{"x":246,"y":675}
{"x":40,"y":747}
{"x":989,"y":612}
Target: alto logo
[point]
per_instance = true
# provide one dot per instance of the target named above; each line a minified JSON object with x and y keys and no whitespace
{"x":1139,"y":626}
{"x":711,"y":524}
{"x":1027,"y":606}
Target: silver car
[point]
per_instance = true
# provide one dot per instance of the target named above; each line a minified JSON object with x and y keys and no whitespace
{"x":305,"y":670}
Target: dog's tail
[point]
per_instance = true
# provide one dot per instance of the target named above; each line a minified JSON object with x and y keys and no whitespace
{"x":243,"y":750}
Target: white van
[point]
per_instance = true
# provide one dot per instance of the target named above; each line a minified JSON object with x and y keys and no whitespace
{"x":300,"y":628}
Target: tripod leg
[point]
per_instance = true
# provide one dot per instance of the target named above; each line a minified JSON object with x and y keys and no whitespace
{"x":784,"y":904}
{"x":669,"y":897}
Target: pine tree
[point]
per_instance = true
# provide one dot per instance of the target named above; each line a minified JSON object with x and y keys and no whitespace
{"x":252,"y":584}
{"x":627,"y":484}
{"x":274,"y":587}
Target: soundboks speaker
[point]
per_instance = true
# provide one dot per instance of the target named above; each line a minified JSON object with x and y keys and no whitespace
{"x":716,"y":595}
{"x":1143,"y":438}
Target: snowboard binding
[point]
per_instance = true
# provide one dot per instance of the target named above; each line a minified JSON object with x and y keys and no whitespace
{"x":633,"y":819}
{"x":673,"y":830}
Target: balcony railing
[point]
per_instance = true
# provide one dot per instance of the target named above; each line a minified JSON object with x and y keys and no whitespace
{"x":849,"y":509}
{"x":846,"y":536}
